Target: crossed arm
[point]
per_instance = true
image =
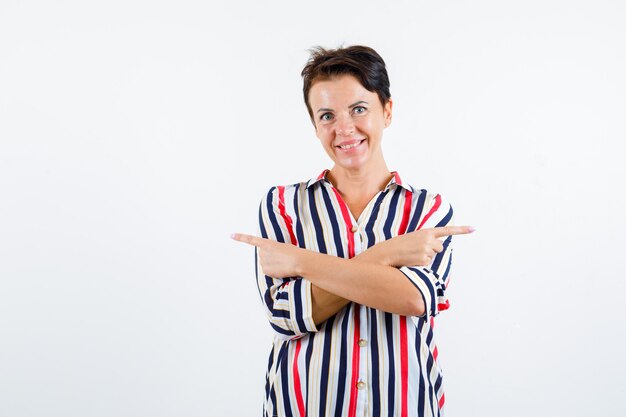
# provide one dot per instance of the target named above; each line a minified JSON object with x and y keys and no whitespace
{"x":372,"y":278}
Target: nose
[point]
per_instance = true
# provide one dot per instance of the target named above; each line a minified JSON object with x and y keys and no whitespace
{"x":345,"y":126}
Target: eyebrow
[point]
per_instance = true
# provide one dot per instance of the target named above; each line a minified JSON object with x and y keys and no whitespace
{"x":350,"y":106}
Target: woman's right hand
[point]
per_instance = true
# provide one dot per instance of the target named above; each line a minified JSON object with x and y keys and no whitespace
{"x":416,"y":248}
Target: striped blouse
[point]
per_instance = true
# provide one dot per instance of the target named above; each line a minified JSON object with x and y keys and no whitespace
{"x":361,"y":361}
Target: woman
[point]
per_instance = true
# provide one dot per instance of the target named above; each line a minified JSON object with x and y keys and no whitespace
{"x":352,"y":265}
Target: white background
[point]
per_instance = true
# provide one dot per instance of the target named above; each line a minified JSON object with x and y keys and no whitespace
{"x":135,"y":136}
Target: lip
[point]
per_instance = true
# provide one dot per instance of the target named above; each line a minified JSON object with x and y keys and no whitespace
{"x":350,"y":142}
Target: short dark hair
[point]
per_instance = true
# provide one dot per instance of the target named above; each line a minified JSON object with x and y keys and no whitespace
{"x":360,"y":61}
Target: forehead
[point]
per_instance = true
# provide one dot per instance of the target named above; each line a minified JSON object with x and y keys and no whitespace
{"x":337,"y":91}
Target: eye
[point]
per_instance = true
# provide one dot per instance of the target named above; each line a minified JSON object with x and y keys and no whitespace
{"x":326,"y":117}
{"x":359,"y":109}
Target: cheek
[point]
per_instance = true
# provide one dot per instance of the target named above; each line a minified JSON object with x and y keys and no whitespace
{"x":323,"y":134}
{"x":372,"y":126}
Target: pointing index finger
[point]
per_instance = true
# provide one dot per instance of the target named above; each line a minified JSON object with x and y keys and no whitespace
{"x":452,"y":230}
{"x":249,"y":239}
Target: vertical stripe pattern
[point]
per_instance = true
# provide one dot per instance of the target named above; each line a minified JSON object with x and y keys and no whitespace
{"x":362,"y":361}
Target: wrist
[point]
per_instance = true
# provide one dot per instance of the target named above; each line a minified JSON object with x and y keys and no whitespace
{"x":380,"y":254}
{"x":305,"y":258}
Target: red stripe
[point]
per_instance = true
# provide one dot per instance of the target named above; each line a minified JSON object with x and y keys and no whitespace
{"x":322,"y":175}
{"x":442,"y":400}
{"x":404,"y":358}
{"x":296,"y":380}
{"x":432,"y":210}
{"x":445,"y":306}
{"x":435,"y":352}
{"x":397,"y":177}
{"x":346,"y":218}
{"x":404,"y":367}
{"x":407,"y":212}
{"x":356,"y":354}
{"x":356,"y":351}
{"x":285,"y":216}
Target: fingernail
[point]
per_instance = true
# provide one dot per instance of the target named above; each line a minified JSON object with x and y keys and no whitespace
{"x":472,"y":229}
{"x":232,"y":235}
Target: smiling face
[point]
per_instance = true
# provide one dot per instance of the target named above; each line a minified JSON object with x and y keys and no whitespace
{"x":349,"y":121}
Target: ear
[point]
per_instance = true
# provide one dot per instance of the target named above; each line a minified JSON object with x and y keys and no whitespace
{"x":387,"y":111}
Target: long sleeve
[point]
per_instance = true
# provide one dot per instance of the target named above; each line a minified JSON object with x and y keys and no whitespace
{"x":287,"y":301}
{"x":362,"y":360}
{"x":432,"y":281}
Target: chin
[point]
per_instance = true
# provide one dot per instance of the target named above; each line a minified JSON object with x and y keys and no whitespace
{"x":351,"y":163}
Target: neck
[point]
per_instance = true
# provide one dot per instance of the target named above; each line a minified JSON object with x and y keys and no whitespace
{"x":361,"y":182}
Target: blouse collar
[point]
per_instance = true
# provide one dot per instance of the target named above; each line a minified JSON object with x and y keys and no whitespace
{"x":394,"y":180}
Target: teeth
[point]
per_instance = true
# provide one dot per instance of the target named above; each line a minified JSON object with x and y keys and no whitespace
{"x":354,"y":145}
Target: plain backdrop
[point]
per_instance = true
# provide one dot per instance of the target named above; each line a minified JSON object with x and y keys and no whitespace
{"x":136,"y":136}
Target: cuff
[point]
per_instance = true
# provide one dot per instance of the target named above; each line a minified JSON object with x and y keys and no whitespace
{"x":426,"y":288}
{"x":301,"y":306}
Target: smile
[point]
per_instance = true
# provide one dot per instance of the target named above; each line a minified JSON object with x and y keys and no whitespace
{"x":351,"y":145}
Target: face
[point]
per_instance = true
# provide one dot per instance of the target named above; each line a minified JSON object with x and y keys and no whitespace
{"x":349,"y":121}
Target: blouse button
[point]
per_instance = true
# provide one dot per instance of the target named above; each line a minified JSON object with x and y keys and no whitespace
{"x":354,"y":229}
{"x":360,"y":385}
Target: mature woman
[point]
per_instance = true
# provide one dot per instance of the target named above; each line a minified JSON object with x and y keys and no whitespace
{"x":353,"y":264}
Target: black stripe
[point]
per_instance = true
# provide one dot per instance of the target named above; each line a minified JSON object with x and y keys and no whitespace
{"x":267,"y":297}
{"x":429,"y":365}
{"x":431,"y":393}
{"x":269,"y":283}
{"x":274,"y":222}
{"x":270,"y":362}
{"x":391,"y":213}
{"x":296,"y":209}
{"x":421,"y":389}
{"x":417,"y":213}
{"x":438,"y":383}
{"x":256,"y":273}
{"x":315,"y":217}
{"x":431,"y":289}
{"x":446,"y":219}
{"x":333,"y":221}
{"x":429,"y":337}
{"x":273,"y":398}
{"x":280,"y":330}
{"x":297,"y":291}
{"x":369,"y":227}
{"x":375,"y":365}
{"x":261,"y":223}
{"x":328,"y":327}
{"x":439,"y":257}
{"x":281,"y":313}
{"x":284,"y":376}
{"x":391,"y":388}
{"x":343,"y":363}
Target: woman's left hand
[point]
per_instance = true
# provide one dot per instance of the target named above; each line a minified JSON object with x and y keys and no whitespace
{"x":278,"y":260}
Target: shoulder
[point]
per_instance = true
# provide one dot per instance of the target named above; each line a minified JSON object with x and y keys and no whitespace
{"x":432,"y":198}
{"x":432,"y":208}
{"x":278,"y":195}
{"x":276,"y":212}
{"x":429,"y":196}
